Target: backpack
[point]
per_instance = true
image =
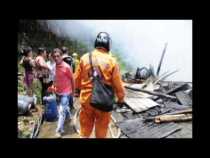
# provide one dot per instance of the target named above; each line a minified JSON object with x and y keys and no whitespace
{"x":68,"y":60}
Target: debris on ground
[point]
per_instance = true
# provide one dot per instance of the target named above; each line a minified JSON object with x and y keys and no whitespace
{"x":29,"y":124}
{"x":157,"y":105}
{"x":137,"y":128}
{"x":140,"y":104}
{"x":148,"y":115}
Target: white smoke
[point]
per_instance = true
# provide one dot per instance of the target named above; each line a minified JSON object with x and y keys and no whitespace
{"x":140,"y":42}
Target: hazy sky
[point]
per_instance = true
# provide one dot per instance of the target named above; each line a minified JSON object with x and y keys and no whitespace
{"x":140,"y":42}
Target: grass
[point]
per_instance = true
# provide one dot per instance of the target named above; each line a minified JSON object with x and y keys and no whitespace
{"x":25,"y":125}
{"x":37,"y":90}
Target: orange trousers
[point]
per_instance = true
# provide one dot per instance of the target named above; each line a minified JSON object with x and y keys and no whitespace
{"x":90,"y":117}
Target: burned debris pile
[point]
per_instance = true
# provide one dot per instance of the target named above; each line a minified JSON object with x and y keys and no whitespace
{"x":147,"y":114}
{"x":153,"y":107}
{"x":30,"y":117}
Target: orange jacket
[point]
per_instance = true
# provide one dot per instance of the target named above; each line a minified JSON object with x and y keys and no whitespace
{"x":109,"y":69}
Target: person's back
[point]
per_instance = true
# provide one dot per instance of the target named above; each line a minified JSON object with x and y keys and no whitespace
{"x":108,"y":69}
{"x":27,"y":64}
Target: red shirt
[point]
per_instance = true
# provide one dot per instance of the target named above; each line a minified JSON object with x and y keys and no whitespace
{"x":64,"y":79}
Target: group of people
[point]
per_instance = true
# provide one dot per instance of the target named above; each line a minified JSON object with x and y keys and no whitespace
{"x":43,"y":66}
{"x":58,"y":75}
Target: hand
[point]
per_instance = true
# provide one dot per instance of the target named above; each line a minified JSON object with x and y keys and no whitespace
{"x":121,"y":104}
{"x":76,"y":93}
{"x":51,"y":89}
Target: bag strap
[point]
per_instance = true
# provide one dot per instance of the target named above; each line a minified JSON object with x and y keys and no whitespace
{"x":92,"y":68}
{"x":91,"y":63}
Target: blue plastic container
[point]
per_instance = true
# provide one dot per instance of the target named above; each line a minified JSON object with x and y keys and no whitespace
{"x":51,"y":112}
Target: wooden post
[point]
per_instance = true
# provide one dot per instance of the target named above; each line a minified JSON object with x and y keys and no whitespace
{"x":152,"y":93}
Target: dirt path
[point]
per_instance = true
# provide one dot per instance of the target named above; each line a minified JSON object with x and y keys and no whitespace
{"x":47,"y":129}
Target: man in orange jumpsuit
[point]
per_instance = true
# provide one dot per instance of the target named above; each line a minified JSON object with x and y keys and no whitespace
{"x":90,"y":116}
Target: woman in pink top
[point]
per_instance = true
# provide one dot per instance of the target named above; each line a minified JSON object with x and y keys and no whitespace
{"x":64,"y":85}
{"x":28,"y":64}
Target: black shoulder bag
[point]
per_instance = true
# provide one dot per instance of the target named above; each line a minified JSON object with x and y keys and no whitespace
{"x":102,"y":94}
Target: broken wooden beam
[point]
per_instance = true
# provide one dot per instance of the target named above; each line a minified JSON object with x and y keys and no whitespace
{"x":161,"y":60}
{"x":180,"y":112}
{"x":151,"y":93}
{"x":163,"y":77}
{"x":171,"y":118}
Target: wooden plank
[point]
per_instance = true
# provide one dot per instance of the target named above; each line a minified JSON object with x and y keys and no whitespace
{"x":169,"y":118}
{"x":161,"y":59}
{"x":140,"y":104}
